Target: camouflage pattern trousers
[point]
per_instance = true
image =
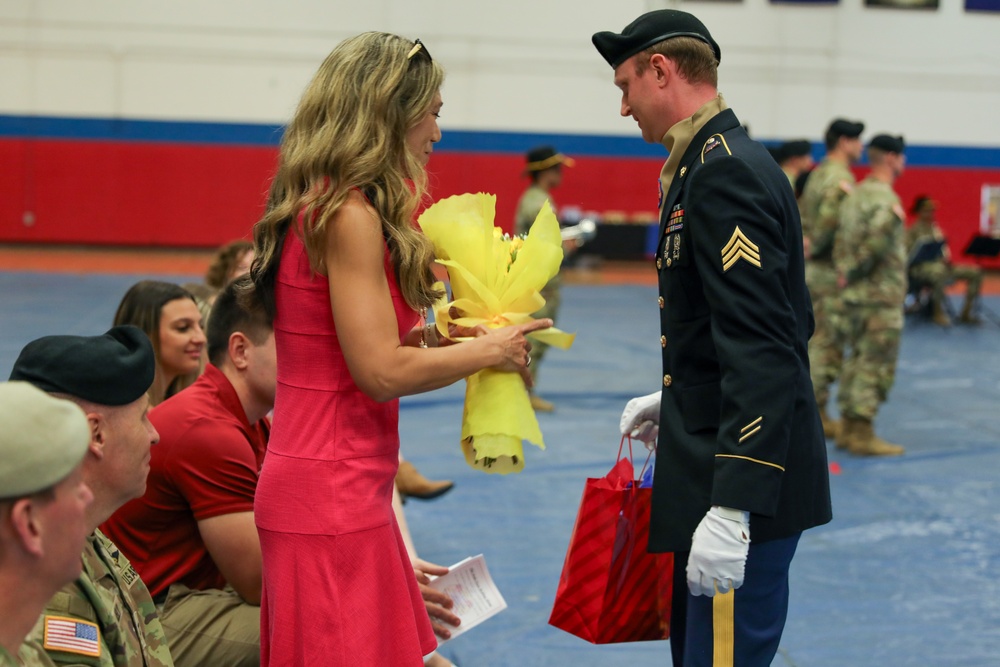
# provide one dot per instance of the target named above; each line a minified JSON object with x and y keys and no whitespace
{"x":940,"y":274}
{"x":872,"y":333}
{"x":826,"y":347}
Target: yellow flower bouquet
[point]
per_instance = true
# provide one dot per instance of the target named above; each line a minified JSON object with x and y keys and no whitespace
{"x":495,"y":281}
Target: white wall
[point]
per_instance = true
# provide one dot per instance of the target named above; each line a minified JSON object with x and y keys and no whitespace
{"x":517,"y":65}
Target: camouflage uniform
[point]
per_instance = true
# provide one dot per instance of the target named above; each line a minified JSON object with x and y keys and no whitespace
{"x":110,"y":595}
{"x":870,"y":254}
{"x":527,"y":208}
{"x":29,"y":655}
{"x":819,"y":205}
{"x":939,"y":273}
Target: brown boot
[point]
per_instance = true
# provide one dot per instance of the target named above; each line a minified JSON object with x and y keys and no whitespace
{"x":539,"y":404}
{"x":967,"y":316}
{"x":411,"y":483}
{"x":831,"y":427}
{"x":864,"y":442}
{"x":939,"y":315}
{"x":845,"y":432}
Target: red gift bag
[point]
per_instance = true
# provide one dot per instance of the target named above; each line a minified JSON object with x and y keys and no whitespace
{"x":611,"y":589}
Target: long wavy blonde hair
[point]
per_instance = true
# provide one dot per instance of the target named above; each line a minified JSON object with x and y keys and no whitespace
{"x":349,"y":132}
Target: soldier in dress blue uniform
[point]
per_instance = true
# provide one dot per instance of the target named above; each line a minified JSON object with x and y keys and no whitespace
{"x":741,"y":465}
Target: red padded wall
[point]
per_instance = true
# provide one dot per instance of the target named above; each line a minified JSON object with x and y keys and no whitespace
{"x":202,"y":195}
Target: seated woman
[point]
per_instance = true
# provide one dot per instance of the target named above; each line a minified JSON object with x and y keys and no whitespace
{"x":169,"y":315}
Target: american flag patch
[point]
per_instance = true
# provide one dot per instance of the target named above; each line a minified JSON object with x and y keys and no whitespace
{"x":72,"y":635}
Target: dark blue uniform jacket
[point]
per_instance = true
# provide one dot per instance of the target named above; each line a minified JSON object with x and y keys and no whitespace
{"x":738,"y":423}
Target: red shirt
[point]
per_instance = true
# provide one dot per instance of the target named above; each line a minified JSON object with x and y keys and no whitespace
{"x":206,"y":464}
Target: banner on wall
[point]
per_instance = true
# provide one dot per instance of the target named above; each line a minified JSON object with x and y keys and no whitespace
{"x":903,"y":4}
{"x":982,"y":5}
{"x":989,"y":212}
{"x":804,"y":2}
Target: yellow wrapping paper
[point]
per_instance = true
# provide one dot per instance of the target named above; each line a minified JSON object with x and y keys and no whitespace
{"x":495,"y":281}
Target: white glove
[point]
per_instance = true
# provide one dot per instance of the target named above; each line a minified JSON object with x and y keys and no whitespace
{"x":641,"y":419}
{"x":719,"y":552}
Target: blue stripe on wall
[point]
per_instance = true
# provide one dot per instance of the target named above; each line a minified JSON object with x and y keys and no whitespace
{"x":111,"y":129}
{"x":466,"y":141}
{"x":459,"y":141}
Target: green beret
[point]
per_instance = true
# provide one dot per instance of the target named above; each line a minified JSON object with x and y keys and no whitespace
{"x":114,"y":369}
{"x":888,"y":143}
{"x":42,"y":440}
{"x":649,"y":29}
{"x":845,"y":128}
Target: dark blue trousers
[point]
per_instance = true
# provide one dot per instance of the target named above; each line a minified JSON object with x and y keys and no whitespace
{"x":746,"y":624}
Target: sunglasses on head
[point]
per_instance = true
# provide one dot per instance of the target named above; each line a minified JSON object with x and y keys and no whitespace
{"x":417,"y":47}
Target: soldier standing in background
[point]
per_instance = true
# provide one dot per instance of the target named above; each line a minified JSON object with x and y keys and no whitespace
{"x":794,"y":158}
{"x":819,"y":206}
{"x":940,"y":272}
{"x":108,"y":377}
{"x":870,"y":260}
{"x":545,"y":169}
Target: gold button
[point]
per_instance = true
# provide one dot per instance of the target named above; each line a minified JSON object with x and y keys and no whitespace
{"x":659,"y":264}
{"x":667,"y":380}
{"x":669,"y":261}
{"x":663,"y":341}
{"x":660,"y":301}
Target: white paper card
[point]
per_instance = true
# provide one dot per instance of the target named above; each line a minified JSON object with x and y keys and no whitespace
{"x":470,"y":586}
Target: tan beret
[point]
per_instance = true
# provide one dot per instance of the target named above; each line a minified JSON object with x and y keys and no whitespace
{"x":42,"y":439}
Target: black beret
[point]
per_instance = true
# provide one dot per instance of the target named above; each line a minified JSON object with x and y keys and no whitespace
{"x":794,"y":149}
{"x":649,"y":29}
{"x":888,"y":143}
{"x":114,"y":369}
{"x":846,"y":128}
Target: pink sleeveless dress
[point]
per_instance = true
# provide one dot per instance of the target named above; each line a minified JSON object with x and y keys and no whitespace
{"x":338,"y":585}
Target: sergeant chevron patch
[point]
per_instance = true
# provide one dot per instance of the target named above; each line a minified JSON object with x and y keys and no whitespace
{"x":740,"y":247}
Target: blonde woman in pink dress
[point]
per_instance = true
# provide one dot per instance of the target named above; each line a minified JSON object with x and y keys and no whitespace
{"x":346,"y":273}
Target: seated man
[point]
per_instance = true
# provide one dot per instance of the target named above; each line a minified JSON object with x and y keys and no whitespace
{"x":192,"y":536}
{"x":940,"y":272}
{"x":43,"y":503}
{"x":108,"y":376}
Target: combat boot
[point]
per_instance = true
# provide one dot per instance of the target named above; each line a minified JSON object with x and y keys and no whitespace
{"x":864,"y":442}
{"x":844,"y":433}
{"x":831,"y":427}
{"x":967,"y":316}
{"x":939,"y":315}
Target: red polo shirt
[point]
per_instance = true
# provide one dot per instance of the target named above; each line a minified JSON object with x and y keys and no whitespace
{"x":206,"y":464}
